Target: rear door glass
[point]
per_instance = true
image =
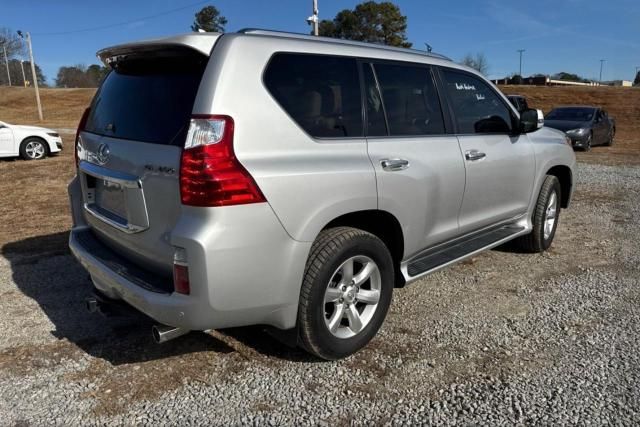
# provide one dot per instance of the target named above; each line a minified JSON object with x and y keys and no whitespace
{"x":410,"y":100}
{"x":321,"y":93}
{"x":376,"y":122}
{"x":148,"y":99}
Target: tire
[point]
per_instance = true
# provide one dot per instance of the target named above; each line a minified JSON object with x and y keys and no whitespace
{"x":612,"y":134}
{"x":328,"y":312}
{"x":587,"y":144}
{"x":541,"y":237}
{"x":33,"y":149}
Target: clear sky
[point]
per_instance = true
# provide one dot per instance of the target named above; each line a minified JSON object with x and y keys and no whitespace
{"x":558,"y":35}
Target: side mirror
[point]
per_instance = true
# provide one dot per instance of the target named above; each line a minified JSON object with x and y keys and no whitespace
{"x":531,"y":120}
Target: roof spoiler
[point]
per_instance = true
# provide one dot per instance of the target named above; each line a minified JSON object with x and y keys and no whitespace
{"x":198,"y":42}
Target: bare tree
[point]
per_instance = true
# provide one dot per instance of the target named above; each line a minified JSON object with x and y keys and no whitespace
{"x":12,"y":42}
{"x":478,"y":62}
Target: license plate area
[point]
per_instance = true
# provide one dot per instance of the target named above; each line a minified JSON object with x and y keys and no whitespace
{"x":109,"y":197}
{"x":114,"y":198}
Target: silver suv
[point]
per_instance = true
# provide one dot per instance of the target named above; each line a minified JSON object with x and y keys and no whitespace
{"x":293,"y":181}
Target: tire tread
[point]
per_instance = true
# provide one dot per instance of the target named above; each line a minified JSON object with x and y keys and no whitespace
{"x":327,"y":242}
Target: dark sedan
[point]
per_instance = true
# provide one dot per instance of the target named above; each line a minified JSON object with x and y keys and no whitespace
{"x":586,"y":126}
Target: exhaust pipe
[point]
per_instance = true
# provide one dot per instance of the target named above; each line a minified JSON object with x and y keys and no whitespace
{"x":164,"y":333}
{"x":92,"y":305}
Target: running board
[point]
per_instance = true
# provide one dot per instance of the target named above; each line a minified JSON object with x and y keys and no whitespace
{"x":449,"y":253}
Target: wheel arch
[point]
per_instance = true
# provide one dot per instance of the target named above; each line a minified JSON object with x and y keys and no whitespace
{"x":44,"y":141}
{"x":564,"y":175}
{"x":383,"y":225}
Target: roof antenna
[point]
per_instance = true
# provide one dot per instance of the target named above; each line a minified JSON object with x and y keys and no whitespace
{"x":429,"y":48}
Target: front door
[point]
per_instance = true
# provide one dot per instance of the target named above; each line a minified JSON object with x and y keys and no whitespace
{"x":500,"y":166}
{"x":7,"y":146}
{"x":600,"y":128}
{"x":419,"y":172}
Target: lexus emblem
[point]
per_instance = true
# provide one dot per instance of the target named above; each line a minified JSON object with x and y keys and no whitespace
{"x":102,"y":156}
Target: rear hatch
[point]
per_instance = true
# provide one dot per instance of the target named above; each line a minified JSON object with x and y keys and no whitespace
{"x":130,"y":148}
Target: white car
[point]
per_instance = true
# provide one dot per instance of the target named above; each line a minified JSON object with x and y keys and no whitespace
{"x":28,"y":142}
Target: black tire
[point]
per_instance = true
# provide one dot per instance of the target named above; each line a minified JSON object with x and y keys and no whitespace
{"x":612,"y":134}
{"x":587,"y":144}
{"x":535,"y":241}
{"x":27,"y":152}
{"x":330,"y":250}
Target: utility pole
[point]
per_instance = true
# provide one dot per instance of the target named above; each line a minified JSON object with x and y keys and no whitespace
{"x":601,"y":62}
{"x":24,"y":79}
{"x":33,"y":72}
{"x":6,"y":61}
{"x":521,"y":51}
{"x":313,"y":19}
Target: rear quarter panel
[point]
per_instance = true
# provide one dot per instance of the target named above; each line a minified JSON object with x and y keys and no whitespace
{"x":308,"y":182}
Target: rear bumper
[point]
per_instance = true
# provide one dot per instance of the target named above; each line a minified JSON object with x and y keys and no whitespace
{"x":243,"y":269}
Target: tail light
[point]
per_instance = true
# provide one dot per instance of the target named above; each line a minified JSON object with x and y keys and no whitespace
{"x":181,"y":272}
{"x":81,"y":125}
{"x":210,"y":173}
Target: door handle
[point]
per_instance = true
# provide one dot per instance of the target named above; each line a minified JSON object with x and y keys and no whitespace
{"x":393,"y":165}
{"x":474,"y":155}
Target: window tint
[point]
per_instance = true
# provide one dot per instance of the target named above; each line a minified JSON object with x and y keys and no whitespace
{"x":477,"y":108}
{"x":321,"y":93}
{"x":410,"y":100}
{"x":147,"y":99}
{"x":376,"y":125}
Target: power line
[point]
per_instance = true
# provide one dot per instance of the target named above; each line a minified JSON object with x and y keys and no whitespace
{"x":104,"y":27}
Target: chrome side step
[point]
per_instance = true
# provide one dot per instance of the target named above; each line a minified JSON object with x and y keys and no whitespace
{"x":442,"y":256}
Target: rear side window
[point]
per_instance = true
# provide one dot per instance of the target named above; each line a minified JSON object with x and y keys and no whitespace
{"x":376,"y":124}
{"x":477,"y":108}
{"x":148,"y":99}
{"x":410,"y":100}
{"x":321,"y":93}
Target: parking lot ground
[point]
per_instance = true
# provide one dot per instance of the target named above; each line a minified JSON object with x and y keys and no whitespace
{"x":503,"y":337}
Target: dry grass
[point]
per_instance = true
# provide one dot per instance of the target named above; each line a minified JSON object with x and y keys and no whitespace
{"x":34,"y":199}
{"x":62,"y":108}
{"x":622,"y":103}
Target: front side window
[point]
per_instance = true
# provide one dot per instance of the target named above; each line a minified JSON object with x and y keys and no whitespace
{"x":477,"y":108}
{"x":321,"y":93}
{"x":410,"y":100}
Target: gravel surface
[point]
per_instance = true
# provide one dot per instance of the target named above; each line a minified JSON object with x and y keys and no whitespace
{"x":502,"y":338}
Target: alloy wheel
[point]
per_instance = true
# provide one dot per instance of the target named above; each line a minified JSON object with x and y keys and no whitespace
{"x":551,"y":215}
{"x":35,"y":150}
{"x":352,"y":296}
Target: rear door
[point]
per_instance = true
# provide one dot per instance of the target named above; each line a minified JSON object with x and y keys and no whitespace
{"x":130,"y":151}
{"x":500,"y":165}
{"x":419,"y":172}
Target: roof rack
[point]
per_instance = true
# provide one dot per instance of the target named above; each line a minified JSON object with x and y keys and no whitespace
{"x":291,"y":35}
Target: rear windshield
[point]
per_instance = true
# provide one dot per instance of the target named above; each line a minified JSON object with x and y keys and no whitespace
{"x":148,"y":99}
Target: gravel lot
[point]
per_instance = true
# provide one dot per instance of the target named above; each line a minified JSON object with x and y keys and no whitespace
{"x":500,"y":339}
